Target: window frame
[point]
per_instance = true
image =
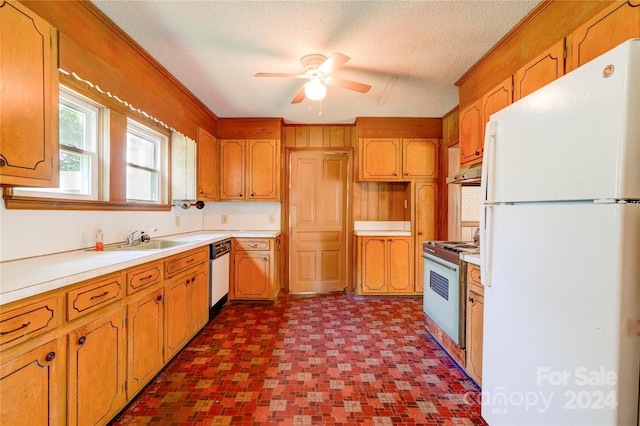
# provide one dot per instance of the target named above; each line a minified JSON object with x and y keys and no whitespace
{"x":161,"y":160}
{"x":114,"y":170}
{"x":99,"y":155}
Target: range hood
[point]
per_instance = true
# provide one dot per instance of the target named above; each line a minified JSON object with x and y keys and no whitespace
{"x":468,"y":175}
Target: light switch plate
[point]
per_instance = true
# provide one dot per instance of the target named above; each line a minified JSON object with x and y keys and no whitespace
{"x":223,"y":219}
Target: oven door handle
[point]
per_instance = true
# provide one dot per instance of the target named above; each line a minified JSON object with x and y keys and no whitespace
{"x":440,"y":264}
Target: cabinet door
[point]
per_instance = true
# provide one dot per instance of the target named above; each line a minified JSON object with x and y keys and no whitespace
{"x":29,"y":387}
{"x":400,"y":264}
{"x":28,"y":99}
{"x":495,"y":100}
{"x":425,"y":220}
{"x":177,"y":322}
{"x":263,"y":169}
{"x":470,"y":133}
{"x":207,"y":163}
{"x":97,"y":367}
{"x":252,"y":275}
{"x":380,"y":159}
{"x":145,"y":341}
{"x":419,"y":158}
{"x":475,"y":321}
{"x":603,"y":32}
{"x":542,"y":70}
{"x":374,"y":273}
{"x":232,"y":169}
{"x":199,"y":298}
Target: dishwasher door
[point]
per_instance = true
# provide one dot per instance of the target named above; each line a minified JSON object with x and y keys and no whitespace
{"x":219,"y":273}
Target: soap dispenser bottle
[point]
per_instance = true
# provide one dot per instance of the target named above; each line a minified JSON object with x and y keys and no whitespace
{"x":99,"y":239}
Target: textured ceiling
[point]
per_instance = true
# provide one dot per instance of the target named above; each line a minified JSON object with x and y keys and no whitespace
{"x":410,"y":52}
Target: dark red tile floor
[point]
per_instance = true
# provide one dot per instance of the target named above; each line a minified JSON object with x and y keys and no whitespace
{"x":334,"y":359}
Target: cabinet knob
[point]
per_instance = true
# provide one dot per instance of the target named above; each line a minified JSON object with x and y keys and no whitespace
{"x":264,"y":258}
{"x":193,"y":279}
{"x":50,"y":356}
{"x":240,"y":195}
{"x":82,"y":340}
{"x":406,"y":173}
{"x":471,"y":300}
{"x":477,"y":152}
{"x":394,"y":174}
{"x":3,"y":162}
{"x":253,"y":194}
{"x":159,"y":298}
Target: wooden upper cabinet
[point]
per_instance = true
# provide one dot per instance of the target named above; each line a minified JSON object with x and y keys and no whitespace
{"x":614,"y":25}
{"x":263,"y":165}
{"x":207,"y":162}
{"x":28,"y":99}
{"x":249,"y":169}
{"x":542,"y":70}
{"x":232,"y":169}
{"x":380,"y":159}
{"x":397,"y":159}
{"x":497,"y":98}
{"x":420,"y":158}
{"x":470,"y":133}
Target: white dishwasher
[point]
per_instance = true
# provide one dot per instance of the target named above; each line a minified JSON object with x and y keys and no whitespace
{"x":218,"y":275}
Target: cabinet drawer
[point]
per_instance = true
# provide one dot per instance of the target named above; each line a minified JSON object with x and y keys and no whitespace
{"x":181,"y":262}
{"x":253,"y":244}
{"x":28,"y":321}
{"x":143,"y":277}
{"x":93,"y":296}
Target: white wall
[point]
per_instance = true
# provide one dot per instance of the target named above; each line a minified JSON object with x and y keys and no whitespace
{"x":28,"y":233}
{"x":242,"y":216}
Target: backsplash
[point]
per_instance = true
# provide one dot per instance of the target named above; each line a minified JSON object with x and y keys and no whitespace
{"x":470,"y":204}
{"x":29,"y":233}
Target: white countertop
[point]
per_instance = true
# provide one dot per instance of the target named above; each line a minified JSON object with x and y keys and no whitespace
{"x":23,"y":278}
{"x":471,"y":258}
{"x":382,"y":233}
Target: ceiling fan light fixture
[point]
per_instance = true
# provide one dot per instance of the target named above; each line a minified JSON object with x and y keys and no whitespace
{"x":315,"y":90}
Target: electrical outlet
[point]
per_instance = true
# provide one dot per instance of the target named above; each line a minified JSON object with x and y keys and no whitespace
{"x":223,"y":219}
{"x":177,"y":221}
{"x":272,"y":218}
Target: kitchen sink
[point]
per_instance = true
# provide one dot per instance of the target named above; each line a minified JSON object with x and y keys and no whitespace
{"x":151,"y":245}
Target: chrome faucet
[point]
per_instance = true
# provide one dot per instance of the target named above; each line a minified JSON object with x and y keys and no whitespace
{"x":131,"y":236}
{"x":144,"y":237}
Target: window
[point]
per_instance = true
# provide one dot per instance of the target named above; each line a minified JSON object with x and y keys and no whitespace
{"x":146,"y":158}
{"x":81,"y":147}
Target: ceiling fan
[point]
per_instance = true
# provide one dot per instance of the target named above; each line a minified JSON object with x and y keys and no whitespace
{"x":317,"y":69}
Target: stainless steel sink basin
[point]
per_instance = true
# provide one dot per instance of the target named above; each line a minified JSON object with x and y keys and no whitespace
{"x":151,"y":245}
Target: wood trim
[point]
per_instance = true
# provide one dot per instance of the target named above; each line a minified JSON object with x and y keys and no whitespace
{"x":249,"y":128}
{"x":35,"y":203}
{"x":399,"y":127}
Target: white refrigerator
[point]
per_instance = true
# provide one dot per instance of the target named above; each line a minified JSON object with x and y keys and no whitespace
{"x":560,"y":250}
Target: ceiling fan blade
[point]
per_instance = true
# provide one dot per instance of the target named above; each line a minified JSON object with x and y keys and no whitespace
{"x":299,"y":97}
{"x":277,"y":74}
{"x":347,"y":84}
{"x":333,"y":62}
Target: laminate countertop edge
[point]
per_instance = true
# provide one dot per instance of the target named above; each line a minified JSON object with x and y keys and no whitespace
{"x":23,"y":278}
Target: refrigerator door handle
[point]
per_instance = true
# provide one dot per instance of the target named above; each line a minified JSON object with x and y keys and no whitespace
{"x":488,"y":163}
{"x":486,"y":244}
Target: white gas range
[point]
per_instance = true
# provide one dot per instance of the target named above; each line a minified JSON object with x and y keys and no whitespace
{"x":444,"y":290}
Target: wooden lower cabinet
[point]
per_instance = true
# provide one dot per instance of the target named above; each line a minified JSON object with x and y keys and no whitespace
{"x":97,"y":368}
{"x":68,"y":357}
{"x":145,"y":340}
{"x":29,"y":384}
{"x":475,"y":322}
{"x":255,"y":269}
{"x":385,"y":265}
{"x":185,"y":308}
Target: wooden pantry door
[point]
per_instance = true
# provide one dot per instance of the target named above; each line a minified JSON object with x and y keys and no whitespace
{"x":318,"y":222}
